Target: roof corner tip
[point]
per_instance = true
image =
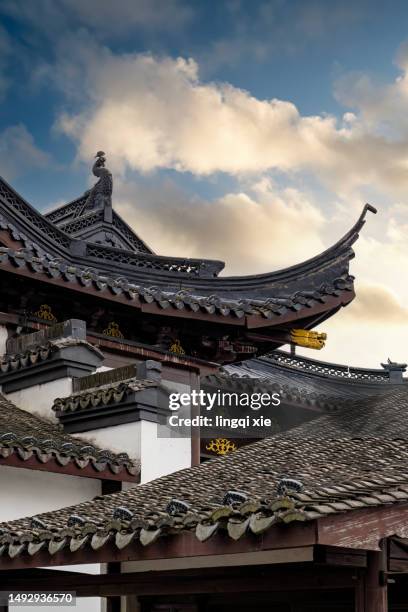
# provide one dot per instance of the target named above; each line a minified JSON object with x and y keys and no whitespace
{"x":367,"y":208}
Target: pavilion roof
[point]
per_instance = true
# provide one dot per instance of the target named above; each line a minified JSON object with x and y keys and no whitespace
{"x":174,"y":286}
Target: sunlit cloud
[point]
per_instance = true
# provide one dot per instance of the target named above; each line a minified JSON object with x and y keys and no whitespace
{"x":154,"y":113}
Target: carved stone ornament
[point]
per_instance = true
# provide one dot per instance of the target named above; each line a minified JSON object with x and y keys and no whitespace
{"x":100,"y":196}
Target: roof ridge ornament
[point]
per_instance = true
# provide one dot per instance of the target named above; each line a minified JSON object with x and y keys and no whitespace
{"x":100,"y":195}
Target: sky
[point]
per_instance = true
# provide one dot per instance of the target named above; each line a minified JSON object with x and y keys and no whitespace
{"x":251,"y":132}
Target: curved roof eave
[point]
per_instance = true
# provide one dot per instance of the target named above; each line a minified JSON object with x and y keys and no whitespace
{"x":341,"y":247}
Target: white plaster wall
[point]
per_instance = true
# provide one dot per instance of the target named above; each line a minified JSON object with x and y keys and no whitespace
{"x":160,"y":456}
{"x":3,"y":339}
{"x":28,"y":492}
{"x":119,"y":439}
{"x":39,"y":398}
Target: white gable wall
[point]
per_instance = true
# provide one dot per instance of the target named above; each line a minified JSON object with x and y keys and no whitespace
{"x":38,"y":399}
{"x":142,"y":440}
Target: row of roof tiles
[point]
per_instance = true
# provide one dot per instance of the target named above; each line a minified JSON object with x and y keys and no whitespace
{"x":111,"y":393}
{"x":288,"y":392}
{"x":26,"y":435}
{"x":10,"y":362}
{"x":291,"y":477}
{"x":212,"y":304}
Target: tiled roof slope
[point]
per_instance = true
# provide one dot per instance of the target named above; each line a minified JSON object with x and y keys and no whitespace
{"x":328,"y":469}
{"x":289,"y":390}
{"x":312,"y":376}
{"x":266,"y":303}
{"x":29,"y":436}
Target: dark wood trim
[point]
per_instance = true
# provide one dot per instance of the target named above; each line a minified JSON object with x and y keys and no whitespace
{"x":113,"y":604}
{"x":376,"y":582}
{"x":133,"y":350}
{"x":362,"y":529}
{"x":195,"y":431}
{"x":290,"y":578}
{"x":169,"y":547}
{"x":336,"y":556}
{"x":398,"y":556}
{"x":145,"y":352}
{"x":33,"y":463}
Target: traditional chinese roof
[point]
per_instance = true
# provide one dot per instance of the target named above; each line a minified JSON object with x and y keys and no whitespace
{"x":92,"y":225}
{"x":336,"y":466}
{"x":54,"y":249}
{"x":294,"y":373}
{"x":26,"y":440}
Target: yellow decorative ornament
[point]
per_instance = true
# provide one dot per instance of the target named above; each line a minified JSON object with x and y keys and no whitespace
{"x":221,"y":446}
{"x":113,"y":330}
{"x":176,"y":348}
{"x":45,"y":313}
{"x":308,"y":339}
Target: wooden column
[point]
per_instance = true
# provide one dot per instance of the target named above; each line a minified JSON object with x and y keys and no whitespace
{"x":371,"y":591}
{"x":113,"y":604}
{"x":195,"y":431}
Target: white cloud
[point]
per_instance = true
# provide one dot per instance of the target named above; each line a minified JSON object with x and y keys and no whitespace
{"x":249,"y":230}
{"x":150,"y":113}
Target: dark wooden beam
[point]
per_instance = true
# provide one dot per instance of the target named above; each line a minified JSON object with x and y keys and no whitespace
{"x":362,"y":529}
{"x":294,"y":577}
{"x":398,"y":556}
{"x":113,"y":604}
{"x":336,"y":556}
{"x":376,"y":592}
